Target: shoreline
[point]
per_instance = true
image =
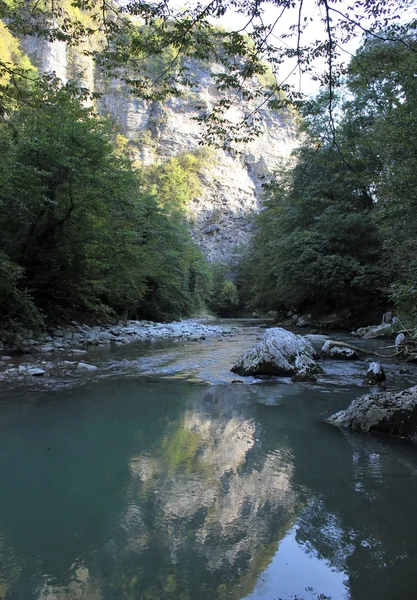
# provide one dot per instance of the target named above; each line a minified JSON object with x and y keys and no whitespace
{"x":64,"y":352}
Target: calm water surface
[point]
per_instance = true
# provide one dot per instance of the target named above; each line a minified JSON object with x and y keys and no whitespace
{"x":143,"y":485}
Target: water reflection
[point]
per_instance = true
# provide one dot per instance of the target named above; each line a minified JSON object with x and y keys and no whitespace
{"x":217,"y":503}
{"x":172,"y":491}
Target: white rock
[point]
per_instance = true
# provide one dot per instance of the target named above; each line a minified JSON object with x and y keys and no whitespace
{"x":36,"y":372}
{"x":386,"y":412}
{"x":375,"y":373}
{"x":281,"y":353}
{"x":332,"y":350}
{"x":400,"y":339}
{"x":380,"y":331}
{"x":86,"y":367}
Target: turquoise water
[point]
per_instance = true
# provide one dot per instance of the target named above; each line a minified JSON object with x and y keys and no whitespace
{"x":160,"y":488}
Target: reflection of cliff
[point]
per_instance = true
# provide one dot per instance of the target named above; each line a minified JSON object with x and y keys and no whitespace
{"x":212,"y":504}
{"x":139,"y":490}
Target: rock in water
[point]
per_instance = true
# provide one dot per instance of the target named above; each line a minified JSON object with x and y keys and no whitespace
{"x":332,"y":349}
{"x":281,"y":353}
{"x":86,"y":367}
{"x":386,"y":412}
{"x":381,"y":331}
{"x":35,"y":372}
{"x":399,"y":340}
{"x":375,"y":373}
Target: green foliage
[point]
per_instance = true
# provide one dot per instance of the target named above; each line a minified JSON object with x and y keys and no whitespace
{"x":385,"y":87}
{"x":154,"y":47}
{"x":176,"y":181}
{"x":180,"y":449}
{"x":225,"y":298}
{"x":339,"y":227}
{"x":316,"y":243}
{"x":86,"y":234}
{"x":17,"y":309}
{"x":16,"y":71}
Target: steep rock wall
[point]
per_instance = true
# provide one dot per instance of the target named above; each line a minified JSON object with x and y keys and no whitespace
{"x":231,"y":192}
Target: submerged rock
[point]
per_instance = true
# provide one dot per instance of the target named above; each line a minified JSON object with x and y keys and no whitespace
{"x":375,"y":373}
{"x":386,"y":412}
{"x":281,"y":353}
{"x":332,"y":349}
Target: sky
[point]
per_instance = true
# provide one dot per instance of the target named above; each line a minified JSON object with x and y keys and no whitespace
{"x":301,"y":82}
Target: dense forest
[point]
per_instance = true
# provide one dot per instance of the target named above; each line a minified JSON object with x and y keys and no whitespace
{"x":88,"y":234}
{"x":340,"y":225}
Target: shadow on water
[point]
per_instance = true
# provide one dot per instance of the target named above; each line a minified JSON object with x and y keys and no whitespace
{"x":162,"y":489}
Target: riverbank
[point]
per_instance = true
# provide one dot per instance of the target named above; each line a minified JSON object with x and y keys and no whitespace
{"x":66,"y":351}
{"x":192,"y":349}
{"x":81,"y":336}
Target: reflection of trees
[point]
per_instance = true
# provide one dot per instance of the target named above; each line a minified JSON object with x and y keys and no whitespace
{"x":209,"y":506}
{"x":359,"y":521}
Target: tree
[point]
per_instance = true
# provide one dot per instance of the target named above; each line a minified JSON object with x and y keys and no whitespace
{"x":225,"y":298}
{"x":339,"y":227}
{"x":80,"y":231}
{"x":316,"y":245}
{"x":385,"y":90}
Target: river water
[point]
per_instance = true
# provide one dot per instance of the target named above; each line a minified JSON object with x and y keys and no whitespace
{"x":161,"y":478}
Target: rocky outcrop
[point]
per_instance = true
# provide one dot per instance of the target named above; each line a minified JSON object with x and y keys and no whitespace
{"x":280,"y":353}
{"x":380,"y":331}
{"x":231,"y":183}
{"x":386,"y":412}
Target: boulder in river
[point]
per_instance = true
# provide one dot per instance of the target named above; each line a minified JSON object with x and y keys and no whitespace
{"x":333,"y":349}
{"x":385,"y":412}
{"x":375,"y":374}
{"x":304,"y":321}
{"x":281,"y":353}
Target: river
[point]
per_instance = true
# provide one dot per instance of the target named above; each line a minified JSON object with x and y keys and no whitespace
{"x":162,"y":477}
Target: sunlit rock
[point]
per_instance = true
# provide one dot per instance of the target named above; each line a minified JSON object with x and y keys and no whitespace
{"x":280,"y":353}
{"x":386,"y":412}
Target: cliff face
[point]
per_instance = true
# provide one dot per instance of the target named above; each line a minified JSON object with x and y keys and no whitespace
{"x":231,"y":188}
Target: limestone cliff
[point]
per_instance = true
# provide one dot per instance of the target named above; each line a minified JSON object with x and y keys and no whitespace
{"x":231,"y":188}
